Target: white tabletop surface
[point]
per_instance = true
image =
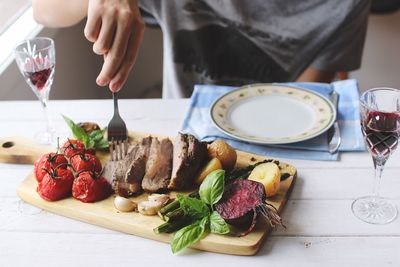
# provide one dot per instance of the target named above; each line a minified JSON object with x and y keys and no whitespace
{"x":321,"y":229}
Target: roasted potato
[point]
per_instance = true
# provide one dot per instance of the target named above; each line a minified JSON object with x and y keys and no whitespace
{"x":269,"y":175}
{"x":225,"y":153}
{"x":211,"y":166}
{"x":89,"y":127}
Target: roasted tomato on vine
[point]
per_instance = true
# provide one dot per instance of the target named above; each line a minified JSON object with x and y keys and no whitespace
{"x":72,"y":147}
{"x":90,"y":187}
{"x":47,"y":162}
{"x":56,"y":184}
{"x":85,"y":162}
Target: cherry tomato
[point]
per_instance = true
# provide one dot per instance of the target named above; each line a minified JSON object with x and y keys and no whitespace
{"x":72,"y":147}
{"x":86,"y":162}
{"x":47,"y":162}
{"x":89,"y":187}
{"x":56,"y":184}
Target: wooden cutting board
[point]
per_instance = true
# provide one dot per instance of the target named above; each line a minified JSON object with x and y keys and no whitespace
{"x":104,"y":214}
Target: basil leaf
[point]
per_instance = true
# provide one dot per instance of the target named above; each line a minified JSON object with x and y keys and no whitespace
{"x":91,"y":143}
{"x":188,"y":235}
{"x":205,"y":222}
{"x":96,"y":135}
{"x":212,"y":188}
{"x":217,"y":224}
{"x":103,"y":143}
{"x":77,"y":131}
{"x":193,"y":207}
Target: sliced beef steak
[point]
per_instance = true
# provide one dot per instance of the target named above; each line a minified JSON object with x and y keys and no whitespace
{"x":180,"y":161}
{"x":131,"y":182}
{"x":126,"y":175}
{"x":115,"y":170}
{"x":189,"y":156}
{"x":198,"y":156}
{"x":158,"y":166}
{"x":155,"y":166}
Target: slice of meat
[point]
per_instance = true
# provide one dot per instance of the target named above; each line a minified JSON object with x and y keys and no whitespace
{"x":198,"y":156}
{"x":131,"y":173}
{"x":152,"y":162}
{"x":115,"y":170}
{"x":131,"y":183}
{"x":158,"y":166}
{"x":108,"y":172}
{"x":180,"y":161}
{"x":189,"y":156}
{"x":126,"y":175}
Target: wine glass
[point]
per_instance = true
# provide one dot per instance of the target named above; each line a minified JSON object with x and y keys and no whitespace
{"x":36,"y":59}
{"x":380,"y":122}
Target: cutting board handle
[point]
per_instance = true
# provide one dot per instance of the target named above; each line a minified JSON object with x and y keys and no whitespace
{"x":20,"y":150}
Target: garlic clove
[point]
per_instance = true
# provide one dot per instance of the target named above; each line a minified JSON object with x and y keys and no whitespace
{"x":162,"y":198}
{"x":124,"y":204}
{"x":149,"y":207}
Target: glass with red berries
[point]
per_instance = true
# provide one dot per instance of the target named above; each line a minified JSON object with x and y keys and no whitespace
{"x":380,"y":123}
{"x":36,"y":59}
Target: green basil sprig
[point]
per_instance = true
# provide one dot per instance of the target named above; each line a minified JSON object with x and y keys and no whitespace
{"x":189,"y":235}
{"x":217,"y":224}
{"x":212,"y":188}
{"x":205,"y":219}
{"x":193,"y":207}
{"x":93,"y":140}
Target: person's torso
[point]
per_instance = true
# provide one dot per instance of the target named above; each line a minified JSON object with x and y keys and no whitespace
{"x":234,"y":42}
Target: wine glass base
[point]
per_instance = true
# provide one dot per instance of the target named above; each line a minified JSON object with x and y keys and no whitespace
{"x":45,"y":137}
{"x":374,"y":210}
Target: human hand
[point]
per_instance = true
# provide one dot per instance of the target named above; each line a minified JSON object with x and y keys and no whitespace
{"x":116,"y":28}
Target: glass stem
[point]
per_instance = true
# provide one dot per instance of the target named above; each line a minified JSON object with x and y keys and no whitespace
{"x":46,"y":116}
{"x":379,"y":164}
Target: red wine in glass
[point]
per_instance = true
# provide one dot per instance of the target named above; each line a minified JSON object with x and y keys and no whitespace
{"x":381,"y":131}
{"x":380,"y":124}
{"x":36,"y":61}
{"x":38,"y":79}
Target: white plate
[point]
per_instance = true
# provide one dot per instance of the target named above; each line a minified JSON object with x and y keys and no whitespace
{"x":272,"y":114}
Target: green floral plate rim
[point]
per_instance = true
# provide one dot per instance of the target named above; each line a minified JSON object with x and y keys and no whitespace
{"x":324,"y":112}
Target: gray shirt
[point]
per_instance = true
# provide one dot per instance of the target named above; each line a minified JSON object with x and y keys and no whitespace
{"x":236,"y":42}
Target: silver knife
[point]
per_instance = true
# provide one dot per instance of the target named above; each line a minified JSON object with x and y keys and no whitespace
{"x":334,"y":138}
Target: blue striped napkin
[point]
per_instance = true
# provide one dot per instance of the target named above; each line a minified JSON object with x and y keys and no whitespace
{"x":198,"y":123}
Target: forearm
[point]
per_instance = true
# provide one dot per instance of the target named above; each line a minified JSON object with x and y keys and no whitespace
{"x":59,"y":13}
{"x":314,"y":75}
{"x":115,"y":27}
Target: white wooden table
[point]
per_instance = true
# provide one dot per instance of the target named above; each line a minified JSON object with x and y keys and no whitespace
{"x":321,"y":229}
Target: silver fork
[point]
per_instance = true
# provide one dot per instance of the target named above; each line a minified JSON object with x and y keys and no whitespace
{"x":117,"y":134}
{"x":333,"y":135}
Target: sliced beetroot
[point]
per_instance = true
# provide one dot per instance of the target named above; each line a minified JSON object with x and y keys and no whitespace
{"x":240,"y":197}
{"x":241,"y":203}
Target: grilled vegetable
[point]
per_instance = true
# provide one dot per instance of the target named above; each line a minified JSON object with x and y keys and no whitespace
{"x":90,"y":187}
{"x":269,"y":175}
{"x":89,"y":127}
{"x":225,"y":153}
{"x":85,"y":162}
{"x":192,"y":216}
{"x":243,"y":173}
{"x":211,"y":166}
{"x":46,"y":162}
{"x":56,"y":184}
{"x":242,"y":202}
{"x":73,"y":147}
{"x":89,"y":135}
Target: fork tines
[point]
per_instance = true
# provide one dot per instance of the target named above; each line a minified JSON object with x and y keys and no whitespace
{"x":117,"y":134}
{"x":118,"y":149}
